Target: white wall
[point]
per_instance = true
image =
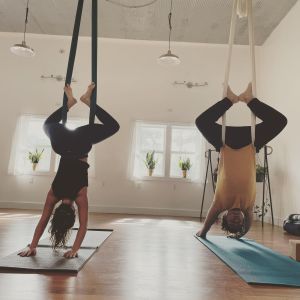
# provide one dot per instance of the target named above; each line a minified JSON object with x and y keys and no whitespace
{"x":131,"y":86}
{"x":279,"y":85}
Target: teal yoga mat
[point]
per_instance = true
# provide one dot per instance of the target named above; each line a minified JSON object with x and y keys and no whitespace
{"x":254,"y":263}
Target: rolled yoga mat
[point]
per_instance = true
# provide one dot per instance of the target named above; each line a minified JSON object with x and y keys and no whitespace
{"x":254,"y":263}
{"x":48,"y":260}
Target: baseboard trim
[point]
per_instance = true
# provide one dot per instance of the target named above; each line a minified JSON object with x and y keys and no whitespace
{"x":145,"y":211}
{"x":113,"y":209}
{"x":132,"y":211}
{"x":267,"y":219}
{"x":23,"y":205}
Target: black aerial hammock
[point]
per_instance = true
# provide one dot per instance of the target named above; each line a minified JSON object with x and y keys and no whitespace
{"x":72,"y":56}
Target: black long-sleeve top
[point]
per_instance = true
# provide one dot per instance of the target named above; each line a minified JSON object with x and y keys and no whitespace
{"x":237,"y":137}
{"x":77,"y":143}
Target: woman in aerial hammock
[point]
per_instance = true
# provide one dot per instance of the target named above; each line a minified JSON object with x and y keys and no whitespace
{"x":236,"y":184}
{"x":70,"y":183}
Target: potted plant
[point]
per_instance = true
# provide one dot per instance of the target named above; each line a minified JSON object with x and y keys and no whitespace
{"x":184,"y":165}
{"x":260,"y":173}
{"x":150,"y":162}
{"x":215,"y":174}
{"x":35,"y":157}
{"x":259,"y":211}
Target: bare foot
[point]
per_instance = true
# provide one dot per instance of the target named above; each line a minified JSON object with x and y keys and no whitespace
{"x":71,"y":100}
{"x":247,"y":95}
{"x":86,"y":98}
{"x":231,"y":96}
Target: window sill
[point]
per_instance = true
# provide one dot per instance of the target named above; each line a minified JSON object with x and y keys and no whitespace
{"x":164,"y":179}
{"x":49,"y":174}
{"x":36,"y":173}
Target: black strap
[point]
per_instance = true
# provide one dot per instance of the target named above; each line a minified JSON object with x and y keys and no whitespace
{"x":72,"y":56}
{"x":94,"y":59}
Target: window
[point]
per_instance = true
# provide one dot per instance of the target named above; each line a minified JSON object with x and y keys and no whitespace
{"x":149,"y":137}
{"x":170,"y":143}
{"x":29,"y":136}
{"x":185,"y":144}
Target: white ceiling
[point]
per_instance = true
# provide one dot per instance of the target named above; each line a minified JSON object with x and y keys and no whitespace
{"x":203,"y":21}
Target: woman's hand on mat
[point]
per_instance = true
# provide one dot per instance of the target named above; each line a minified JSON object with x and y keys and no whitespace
{"x":28,"y":252}
{"x":232,"y":96}
{"x":247,"y":96}
{"x":200,"y":234}
{"x":70,"y":254}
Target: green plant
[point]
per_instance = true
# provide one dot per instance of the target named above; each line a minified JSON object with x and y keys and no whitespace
{"x":258,"y":210}
{"x":184,"y":164}
{"x":35,"y":157}
{"x":260,"y":170}
{"x":215,"y":174}
{"x":150,"y":162}
{"x":260,"y":173}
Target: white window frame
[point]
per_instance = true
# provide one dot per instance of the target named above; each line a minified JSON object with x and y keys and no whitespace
{"x":167,"y":154}
{"x":134,"y":147}
{"x":12,"y":170}
{"x":170,"y":151}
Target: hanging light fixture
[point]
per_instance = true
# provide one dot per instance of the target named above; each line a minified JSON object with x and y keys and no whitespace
{"x":22,"y":49}
{"x":169,"y":58}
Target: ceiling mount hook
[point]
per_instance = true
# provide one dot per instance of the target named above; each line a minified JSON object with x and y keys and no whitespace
{"x":242,"y":8}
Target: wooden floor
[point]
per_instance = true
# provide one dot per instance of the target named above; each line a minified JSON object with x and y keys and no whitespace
{"x":153,"y":258}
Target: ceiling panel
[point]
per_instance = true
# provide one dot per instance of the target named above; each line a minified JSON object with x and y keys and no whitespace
{"x":199,"y":21}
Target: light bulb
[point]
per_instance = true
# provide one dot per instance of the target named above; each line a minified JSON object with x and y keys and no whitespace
{"x":169,"y":59}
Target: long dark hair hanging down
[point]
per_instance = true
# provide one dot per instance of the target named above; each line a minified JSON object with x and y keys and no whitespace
{"x":62,"y":221}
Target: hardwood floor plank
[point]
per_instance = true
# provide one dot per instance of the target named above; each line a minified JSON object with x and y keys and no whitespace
{"x":147,"y":257}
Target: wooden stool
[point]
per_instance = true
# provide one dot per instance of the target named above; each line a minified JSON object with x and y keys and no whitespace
{"x":294,"y":249}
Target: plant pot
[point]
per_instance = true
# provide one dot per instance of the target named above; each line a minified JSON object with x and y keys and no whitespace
{"x":215,"y":177}
{"x":34,"y":165}
{"x":260,"y":177}
{"x":150,"y":172}
{"x":184,"y":172}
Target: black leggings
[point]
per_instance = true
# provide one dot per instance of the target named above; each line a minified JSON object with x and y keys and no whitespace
{"x":237,"y":137}
{"x":77,"y":143}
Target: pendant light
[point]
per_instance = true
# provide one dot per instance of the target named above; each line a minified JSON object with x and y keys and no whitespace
{"x":169,"y":58}
{"x":23,"y":49}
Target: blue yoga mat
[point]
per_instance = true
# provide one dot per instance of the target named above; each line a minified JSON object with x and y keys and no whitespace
{"x":254,"y":263}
